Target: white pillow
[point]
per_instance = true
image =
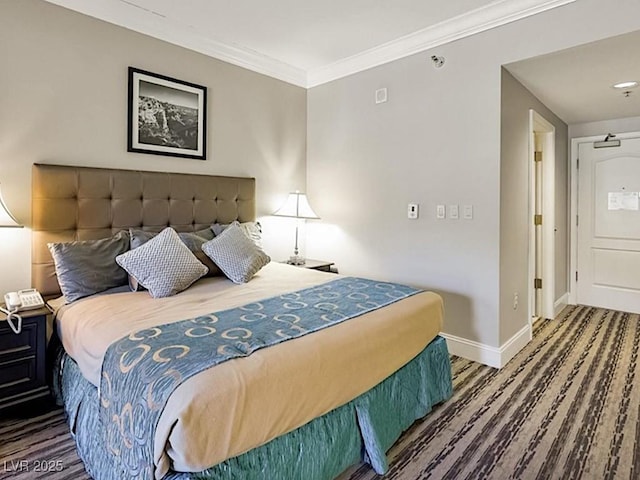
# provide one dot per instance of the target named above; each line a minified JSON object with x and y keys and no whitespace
{"x":237,"y":256}
{"x":164,"y":265}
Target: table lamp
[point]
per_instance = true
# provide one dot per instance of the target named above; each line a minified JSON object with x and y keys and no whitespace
{"x":296,"y":206}
{"x":6,"y":219}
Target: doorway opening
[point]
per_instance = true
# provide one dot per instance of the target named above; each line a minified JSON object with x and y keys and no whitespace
{"x":542,"y":217}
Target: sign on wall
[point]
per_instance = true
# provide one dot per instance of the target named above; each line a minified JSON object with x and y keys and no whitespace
{"x":623,"y":201}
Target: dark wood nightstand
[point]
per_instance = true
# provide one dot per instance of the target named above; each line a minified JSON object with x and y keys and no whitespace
{"x":22,"y":359}
{"x":321,"y":265}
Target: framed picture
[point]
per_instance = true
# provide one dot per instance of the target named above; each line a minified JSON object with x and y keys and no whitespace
{"x":166,"y":116}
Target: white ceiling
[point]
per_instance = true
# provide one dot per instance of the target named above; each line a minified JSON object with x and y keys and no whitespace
{"x":576,"y":84}
{"x":308,"y":35}
{"x":309,"y":42}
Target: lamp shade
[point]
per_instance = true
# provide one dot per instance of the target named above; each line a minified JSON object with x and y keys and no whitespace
{"x":6,"y":219}
{"x":296,"y":206}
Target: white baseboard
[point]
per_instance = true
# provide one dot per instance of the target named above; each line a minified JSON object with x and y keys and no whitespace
{"x":471,"y":350}
{"x":559,"y":305}
{"x":485,"y":354}
{"x":516,"y":343}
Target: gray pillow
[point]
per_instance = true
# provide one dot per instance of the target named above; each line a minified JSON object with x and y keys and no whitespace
{"x":237,"y":256}
{"x":86,"y":267}
{"x":253,"y":230}
{"x":164,"y":265}
{"x":194,"y":242}
{"x":140,"y":237}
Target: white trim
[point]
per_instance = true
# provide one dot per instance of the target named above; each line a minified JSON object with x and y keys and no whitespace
{"x":538,"y":124}
{"x":549,"y":218}
{"x":485,"y":354}
{"x":573,"y":229}
{"x":516,"y":343}
{"x":559,"y":304}
{"x":573,"y":212}
{"x":476,"y":21}
{"x":471,"y":350}
{"x":139,"y":19}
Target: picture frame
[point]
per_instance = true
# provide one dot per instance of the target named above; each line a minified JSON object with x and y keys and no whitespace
{"x":166,"y":116}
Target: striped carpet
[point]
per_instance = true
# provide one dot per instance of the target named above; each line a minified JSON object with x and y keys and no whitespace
{"x":566,"y":407}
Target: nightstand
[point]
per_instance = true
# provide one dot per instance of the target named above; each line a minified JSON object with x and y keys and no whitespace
{"x":321,"y":265}
{"x":22,"y":359}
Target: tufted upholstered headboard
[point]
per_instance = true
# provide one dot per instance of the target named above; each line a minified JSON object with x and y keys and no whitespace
{"x":80,"y":203}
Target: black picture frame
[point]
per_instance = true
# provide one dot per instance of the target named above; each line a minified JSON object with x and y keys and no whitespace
{"x":166,"y":116}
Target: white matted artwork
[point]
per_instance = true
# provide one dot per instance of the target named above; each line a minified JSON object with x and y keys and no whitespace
{"x":166,"y":116}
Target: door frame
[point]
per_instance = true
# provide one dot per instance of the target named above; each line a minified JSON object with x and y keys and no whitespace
{"x":573,"y":214}
{"x":541,"y":126}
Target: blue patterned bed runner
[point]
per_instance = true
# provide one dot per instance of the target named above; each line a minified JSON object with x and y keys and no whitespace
{"x":140,"y":371}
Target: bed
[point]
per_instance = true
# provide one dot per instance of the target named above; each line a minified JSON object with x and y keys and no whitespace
{"x":307,"y":406}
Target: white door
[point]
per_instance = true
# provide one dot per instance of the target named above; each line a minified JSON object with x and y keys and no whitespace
{"x":608,"y":266}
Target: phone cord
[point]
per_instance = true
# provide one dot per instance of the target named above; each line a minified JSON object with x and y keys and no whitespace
{"x":11,"y":314}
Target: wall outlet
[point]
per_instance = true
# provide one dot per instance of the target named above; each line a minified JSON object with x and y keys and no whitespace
{"x":467,"y":212}
{"x":412,"y":211}
{"x":515,"y":301}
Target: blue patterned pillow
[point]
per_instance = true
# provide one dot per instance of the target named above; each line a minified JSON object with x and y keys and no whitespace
{"x":163,"y":265}
{"x":237,"y":256}
{"x":89,"y":266}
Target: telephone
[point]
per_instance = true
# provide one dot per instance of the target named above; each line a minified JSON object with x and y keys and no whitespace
{"x":21,"y":300}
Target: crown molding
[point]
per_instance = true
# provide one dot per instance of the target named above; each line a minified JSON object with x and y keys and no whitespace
{"x":239,"y":56}
{"x":476,"y":21}
{"x":133,"y":17}
{"x":153,"y":24}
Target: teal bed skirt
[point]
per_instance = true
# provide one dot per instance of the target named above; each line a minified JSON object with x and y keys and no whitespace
{"x":361,"y":430}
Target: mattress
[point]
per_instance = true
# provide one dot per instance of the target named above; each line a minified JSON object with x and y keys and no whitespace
{"x":248,"y":402}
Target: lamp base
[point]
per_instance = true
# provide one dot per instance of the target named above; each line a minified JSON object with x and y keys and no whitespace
{"x":296,"y":260}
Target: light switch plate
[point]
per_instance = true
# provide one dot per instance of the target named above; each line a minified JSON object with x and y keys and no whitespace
{"x":412,"y":211}
{"x":467,"y":212}
{"x":441,"y":211}
{"x":453,"y":212}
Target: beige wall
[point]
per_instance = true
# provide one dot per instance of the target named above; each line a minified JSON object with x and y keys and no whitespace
{"x":433,"y":142}
{"x":619,"y":125}
{"x":437,"y":140}
{"x":516,"y":102}
{"x":63,"y":99}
